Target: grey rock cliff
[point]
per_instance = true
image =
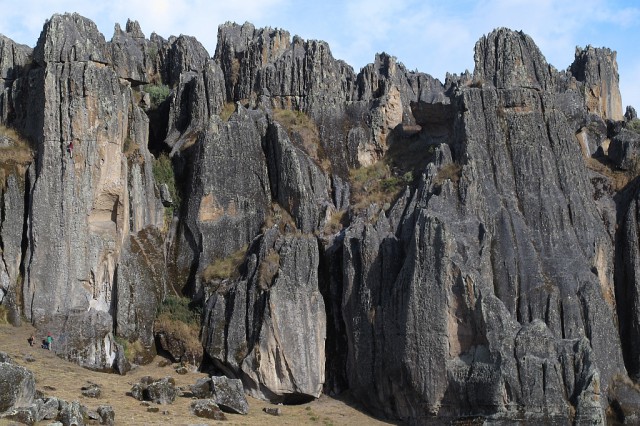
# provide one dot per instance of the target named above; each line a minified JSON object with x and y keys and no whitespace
{"x":501,"y":282}
{"x":74,"y":97}
{"x":268,"y":327}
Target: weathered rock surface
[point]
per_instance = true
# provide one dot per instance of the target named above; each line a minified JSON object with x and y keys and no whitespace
{"x":274,"y":338}
{"x":598,"y":70}
{"x":207,"y":409}
{"x":229,"y":395}
{"x":449,"y":315}
{"x":78,"y":114}
{"x":228,"y":194}
{"x":162,"y":391}
{"x":141,"y":281}
{"x":17,"y":387}
{"x":297,"y":183}
{"x":501,"y":284}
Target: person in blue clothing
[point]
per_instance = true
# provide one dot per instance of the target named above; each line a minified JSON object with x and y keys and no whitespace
{"x":49,"y":341}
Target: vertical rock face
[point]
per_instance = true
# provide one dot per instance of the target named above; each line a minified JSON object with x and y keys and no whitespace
{"x":227,"y":193}
{"x":268,"y":327}
{"x":297,"y":183}
{"x":141,"y":282}
{"x":627,"y":279}
{"x":501,"y":283}
{"x":490,"y":267}
{"x":598,"y":70}
{"x":79,"y":202}
{"x":507,"y":59}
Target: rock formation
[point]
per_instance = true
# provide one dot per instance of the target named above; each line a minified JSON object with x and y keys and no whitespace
{"x":444,"y":251}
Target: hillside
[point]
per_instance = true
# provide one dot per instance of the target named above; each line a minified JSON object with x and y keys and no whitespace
{"x":63,"y":379}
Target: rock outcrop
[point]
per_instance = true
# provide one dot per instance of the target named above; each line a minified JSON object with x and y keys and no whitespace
{"x":486,"y":268}
{"x":275,"y":315}
{"x":17,"y":387}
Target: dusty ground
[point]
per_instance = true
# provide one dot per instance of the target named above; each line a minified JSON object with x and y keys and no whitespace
{"x":59,"y":378}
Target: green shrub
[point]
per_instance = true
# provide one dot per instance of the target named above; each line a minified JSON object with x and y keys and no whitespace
{"x":158,"y":93}
{"x":180,"y":309}
{"x":163,"y":174}
{"x":634,"y":125}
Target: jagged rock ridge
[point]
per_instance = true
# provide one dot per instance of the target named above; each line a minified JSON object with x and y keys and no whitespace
{"x":487,"y":269}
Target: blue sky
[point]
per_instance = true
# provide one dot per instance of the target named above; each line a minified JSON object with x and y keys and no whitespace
{"x":430,"y":36}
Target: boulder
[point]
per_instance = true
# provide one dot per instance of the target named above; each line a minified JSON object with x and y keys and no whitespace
{"x":107,"y":415}
{"x":91,"y":390}
{"x":207,"y":409}
{"x":162,"y":391}
{"x":202,"y":389}
{"x":72,"y":413}
{"x":17,"y":387}
{"x":48,"y":408}
{"x":285,"y":316}
{"x":229,"y":395}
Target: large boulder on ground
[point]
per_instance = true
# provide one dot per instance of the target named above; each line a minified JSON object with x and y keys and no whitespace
{"x":107,"y":415}
{"x":268,"y":328}
{"x":72,"y":413}
{"x":229,"y":395}
{"x":17,"y":387}
{"x":202,"y":389}
{"x":161,"y":391}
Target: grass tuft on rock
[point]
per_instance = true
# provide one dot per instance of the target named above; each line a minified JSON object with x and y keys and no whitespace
{"x":224,"y":268}
{"x":303,"y":132}
{"x":376,"y":184}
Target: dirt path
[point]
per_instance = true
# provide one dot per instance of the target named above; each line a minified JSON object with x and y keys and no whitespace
{"x":62,"y":379}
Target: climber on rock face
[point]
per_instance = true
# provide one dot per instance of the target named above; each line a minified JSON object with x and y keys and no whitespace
{"x":70,"y":149}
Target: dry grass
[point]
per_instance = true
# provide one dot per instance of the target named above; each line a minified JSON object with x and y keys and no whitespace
{"x":4,"y":315}
{"x":304,"y":133}
{"x":227,"y":110}
{"x":221,"y":269}
{"x":336,"y":223}
{"x":15,"y":154}
{"x":619,"y":179}
{"x":56,"y":377}
{"x":280,"y":217}
{"x":451,"y":171}
{"x":376,"y":184}
{"x":268,"y":269}
{"x":188,"y":334}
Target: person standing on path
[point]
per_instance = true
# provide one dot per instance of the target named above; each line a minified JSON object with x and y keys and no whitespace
{"x":49,"y":341}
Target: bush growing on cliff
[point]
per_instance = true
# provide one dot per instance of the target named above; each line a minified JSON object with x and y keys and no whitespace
{"x":163,"y":174}
{"x":158,"y":93}
{"x":634,"y":125}
{"x":179,"y":318}
{"x":180,"y":309}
